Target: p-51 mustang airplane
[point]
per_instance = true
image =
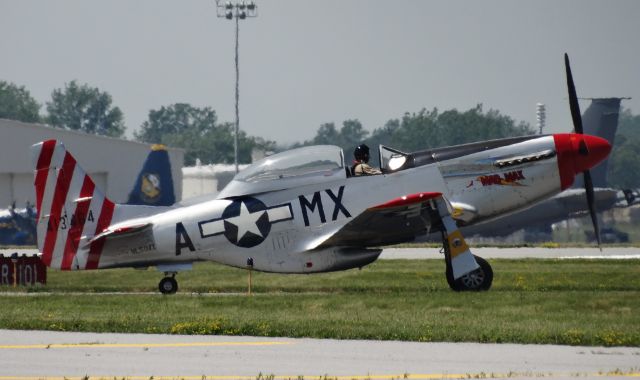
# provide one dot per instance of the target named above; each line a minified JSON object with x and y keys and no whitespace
{"x":300,"y":211}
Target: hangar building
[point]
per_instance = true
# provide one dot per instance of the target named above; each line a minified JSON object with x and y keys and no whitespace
{"x":209,"y":179}
{"x":113,"y":163}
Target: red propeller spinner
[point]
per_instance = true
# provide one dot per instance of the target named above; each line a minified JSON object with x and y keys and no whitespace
{"x":578,"y":153}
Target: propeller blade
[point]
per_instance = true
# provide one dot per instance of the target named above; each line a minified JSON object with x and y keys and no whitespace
{"x":588,"y":186}
{"x":583,"y":150}
{"x":573,"y":98}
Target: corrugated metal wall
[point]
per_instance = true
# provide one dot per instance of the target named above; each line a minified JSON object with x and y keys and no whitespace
{"x":112,"y":163}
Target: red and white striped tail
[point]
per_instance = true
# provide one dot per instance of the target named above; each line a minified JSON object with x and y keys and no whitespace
{"x":70,"y":210}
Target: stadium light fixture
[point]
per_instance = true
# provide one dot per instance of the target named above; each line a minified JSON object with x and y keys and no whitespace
{"x":238,"y":10}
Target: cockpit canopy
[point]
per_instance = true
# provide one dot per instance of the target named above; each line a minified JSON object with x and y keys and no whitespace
{"x":296,"y":167}
{"x":304,"y":166}
{"x":392,"y":160}
{"x":305,"y":161}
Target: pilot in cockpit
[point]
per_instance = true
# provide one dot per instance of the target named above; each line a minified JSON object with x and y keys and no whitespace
{"x":361,"y":165}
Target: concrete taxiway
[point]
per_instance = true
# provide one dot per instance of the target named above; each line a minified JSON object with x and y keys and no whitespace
{"x":616,"y":253}
{"x":42,"y":354}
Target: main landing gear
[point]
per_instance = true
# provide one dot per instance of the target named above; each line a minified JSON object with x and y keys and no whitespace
{"x":465,"y":271}
{"x":168,"y":285}
{"x":476,"y":280}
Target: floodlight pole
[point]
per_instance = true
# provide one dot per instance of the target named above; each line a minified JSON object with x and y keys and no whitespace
{"x":235,"y":136}
{"x":238,"y":9}
{"x":541,"y":116}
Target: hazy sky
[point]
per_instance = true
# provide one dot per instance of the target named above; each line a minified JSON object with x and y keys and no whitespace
{"x":303,"y":63}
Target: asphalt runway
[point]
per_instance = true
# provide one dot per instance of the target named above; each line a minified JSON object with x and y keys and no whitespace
{"x":56,"y":355}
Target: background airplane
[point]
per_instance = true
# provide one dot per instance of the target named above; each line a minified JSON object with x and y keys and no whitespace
{"x":18,"y":225}
{"x":153,"y":186}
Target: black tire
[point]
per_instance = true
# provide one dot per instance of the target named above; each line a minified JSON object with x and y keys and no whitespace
{"x":168,"y":285}
{"x":475,"y":281}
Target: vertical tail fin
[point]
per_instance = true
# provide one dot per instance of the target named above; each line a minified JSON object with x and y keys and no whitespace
{"x":600,"y":119}
{"x":154,"y":186}
{"x":70,"y":209}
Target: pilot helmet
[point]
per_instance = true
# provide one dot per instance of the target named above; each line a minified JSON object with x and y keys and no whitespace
{"x":361,"y":153}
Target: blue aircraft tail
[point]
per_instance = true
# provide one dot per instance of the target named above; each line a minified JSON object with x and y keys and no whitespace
{"x":600,"y":119}
{"x":154,"y":186}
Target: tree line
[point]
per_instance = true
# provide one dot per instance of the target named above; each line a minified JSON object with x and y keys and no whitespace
{"x":80,"y":107}
{"x":424,"y":129}
{"x":198,"y":131}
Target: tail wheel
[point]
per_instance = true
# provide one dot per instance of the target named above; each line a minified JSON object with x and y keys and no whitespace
{"x":168,"y":285}
{"x":477,"y":280}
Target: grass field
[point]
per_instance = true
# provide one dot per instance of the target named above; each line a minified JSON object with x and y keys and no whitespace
{"x":577,"y":302}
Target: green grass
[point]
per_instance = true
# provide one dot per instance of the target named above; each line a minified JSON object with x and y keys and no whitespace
{"x":560,"y":240}
{"x":580,"y":302}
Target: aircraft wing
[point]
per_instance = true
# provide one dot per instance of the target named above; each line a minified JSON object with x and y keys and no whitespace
{"x":398,"y":220}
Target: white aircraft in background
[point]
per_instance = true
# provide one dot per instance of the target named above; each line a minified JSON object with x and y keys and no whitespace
{"x":301,"y":211}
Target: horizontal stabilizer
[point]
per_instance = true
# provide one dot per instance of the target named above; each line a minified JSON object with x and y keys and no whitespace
{"x":120,"y":231}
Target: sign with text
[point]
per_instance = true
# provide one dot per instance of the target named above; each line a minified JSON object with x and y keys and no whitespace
{"x":27,"y":270}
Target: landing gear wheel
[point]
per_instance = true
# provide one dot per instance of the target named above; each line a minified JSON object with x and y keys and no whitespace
{"x":168,"y":285}
{"x":477,"y":280}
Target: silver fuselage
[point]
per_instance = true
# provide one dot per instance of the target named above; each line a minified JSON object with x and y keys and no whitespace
{"x":300,"y":216}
